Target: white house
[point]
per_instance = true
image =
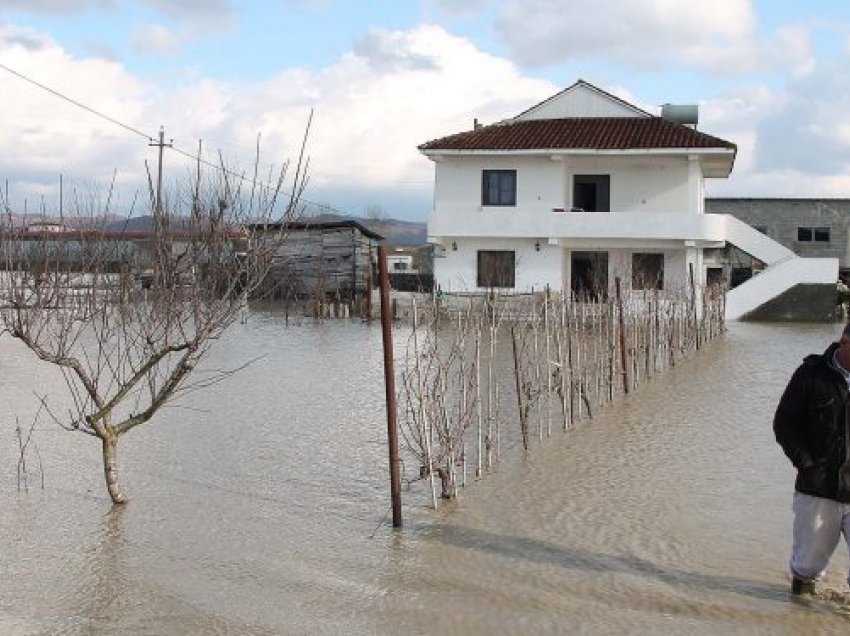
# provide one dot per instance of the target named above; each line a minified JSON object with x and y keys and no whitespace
{"x":585,"y":187}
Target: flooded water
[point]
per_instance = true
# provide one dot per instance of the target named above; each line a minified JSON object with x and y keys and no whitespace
{"x":256,"y":507}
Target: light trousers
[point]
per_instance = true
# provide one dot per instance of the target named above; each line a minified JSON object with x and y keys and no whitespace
{"x":818,"y":524}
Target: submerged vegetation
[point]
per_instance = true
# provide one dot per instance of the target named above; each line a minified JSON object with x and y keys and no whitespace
{"x":550,"y":360}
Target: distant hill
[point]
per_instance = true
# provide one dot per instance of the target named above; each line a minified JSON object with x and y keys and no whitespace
{"x":132,"y":224}
{"x":70,"y":221}
{"x":396,"y":232}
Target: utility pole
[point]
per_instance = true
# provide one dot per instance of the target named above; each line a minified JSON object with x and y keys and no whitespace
{"x":160,"y":144}
{"x":159,"y":222}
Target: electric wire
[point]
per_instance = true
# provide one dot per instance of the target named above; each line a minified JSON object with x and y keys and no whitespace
{"x":76,"y":103}
{"x":151,"y":138}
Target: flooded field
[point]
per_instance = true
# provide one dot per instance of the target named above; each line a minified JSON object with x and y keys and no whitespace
{"x":259,"y":507}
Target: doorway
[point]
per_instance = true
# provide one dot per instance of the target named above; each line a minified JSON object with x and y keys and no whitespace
{"x":589,"y":275}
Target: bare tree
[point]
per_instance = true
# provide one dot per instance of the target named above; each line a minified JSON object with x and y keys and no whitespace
{"x":127,"y":321}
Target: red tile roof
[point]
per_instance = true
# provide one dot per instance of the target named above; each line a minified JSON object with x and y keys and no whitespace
{"x":586,"y":133}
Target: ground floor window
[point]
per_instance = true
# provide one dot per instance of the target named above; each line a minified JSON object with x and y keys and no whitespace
{"x":647,"y":271}
{"x":589,"y":275}
{"x":496,"y":268}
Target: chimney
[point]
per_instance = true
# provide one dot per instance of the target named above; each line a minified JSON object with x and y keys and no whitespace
{"x":475,"y":124}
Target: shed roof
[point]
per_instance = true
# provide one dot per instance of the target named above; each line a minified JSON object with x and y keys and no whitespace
{"x":306,"y":225}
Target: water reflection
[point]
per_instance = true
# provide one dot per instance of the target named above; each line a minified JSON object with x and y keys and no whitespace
{"x":254,"y":508}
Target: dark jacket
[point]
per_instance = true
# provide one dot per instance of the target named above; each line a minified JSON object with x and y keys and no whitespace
{"x":811,"y":425}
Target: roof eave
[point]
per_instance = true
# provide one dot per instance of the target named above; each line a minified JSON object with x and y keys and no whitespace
{"x":434,"y":152}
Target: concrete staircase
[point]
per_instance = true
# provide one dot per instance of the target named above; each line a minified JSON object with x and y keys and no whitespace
{"x":784,"y":271}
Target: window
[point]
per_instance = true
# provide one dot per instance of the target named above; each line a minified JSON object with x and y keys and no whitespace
{"x":813,"y":234}
{"x":592,"y":192}
{"x":496,"y":268}
{"x":498,"y":187}
{"x":821,"y":235}
{"x":647,"y":271}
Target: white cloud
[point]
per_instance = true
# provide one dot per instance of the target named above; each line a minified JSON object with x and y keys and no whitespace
{"x":393,"y":91}
{"x":41,"y":135}
{"x":373,"y":106}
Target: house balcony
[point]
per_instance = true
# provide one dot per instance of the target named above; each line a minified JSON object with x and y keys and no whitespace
{"x":609,"y":228}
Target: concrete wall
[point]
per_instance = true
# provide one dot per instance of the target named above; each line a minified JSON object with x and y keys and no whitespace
{"x":782,"y":217}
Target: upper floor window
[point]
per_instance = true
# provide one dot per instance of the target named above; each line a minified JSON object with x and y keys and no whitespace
{"x":498,"y":187}
{"x":592,"y":192}
{"x":813,"y":234}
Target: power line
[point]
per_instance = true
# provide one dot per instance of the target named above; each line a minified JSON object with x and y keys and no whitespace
{"x":150,"y":138}
{"x":76,"y":103}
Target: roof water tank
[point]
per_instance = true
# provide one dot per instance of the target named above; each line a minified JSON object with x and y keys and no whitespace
{"x":687,"y":114}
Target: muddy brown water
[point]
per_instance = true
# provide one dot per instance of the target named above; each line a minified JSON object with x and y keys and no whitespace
{"x":256,"y":508}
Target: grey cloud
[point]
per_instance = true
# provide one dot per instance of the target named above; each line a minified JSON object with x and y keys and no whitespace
{"x":810,"y":132}
{"x":29,"y":42}
{"x":55,"y":6}
{"x":637,"y":33}
{"x":461,"y":7}
{"x":386,"y":52}
{"x":207,"y":15}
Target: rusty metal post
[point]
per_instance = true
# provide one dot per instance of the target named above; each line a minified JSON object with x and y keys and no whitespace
{"x":389,"y":381}
{"x":623,"y":352}
{"x":369,"y":286}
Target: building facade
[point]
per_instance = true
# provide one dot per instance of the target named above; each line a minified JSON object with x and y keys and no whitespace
{"x":582,"y":189}
{"x":809,"y":227}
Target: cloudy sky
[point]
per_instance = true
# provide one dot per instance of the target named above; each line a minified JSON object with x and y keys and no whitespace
{"x":382,"y":77}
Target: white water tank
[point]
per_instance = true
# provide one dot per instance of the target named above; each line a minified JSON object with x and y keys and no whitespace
{"x":687,"y":114}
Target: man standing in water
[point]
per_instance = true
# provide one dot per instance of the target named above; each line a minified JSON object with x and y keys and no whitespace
{"x":811,"y":425}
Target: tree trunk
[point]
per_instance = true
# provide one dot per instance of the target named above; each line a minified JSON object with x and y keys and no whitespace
{"x":110,"y":468}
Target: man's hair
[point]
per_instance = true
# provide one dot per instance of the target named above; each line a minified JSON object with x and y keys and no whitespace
{"x":846,"y":330}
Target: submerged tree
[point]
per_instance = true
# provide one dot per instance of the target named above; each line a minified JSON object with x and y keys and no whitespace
{"x":127,"y":321}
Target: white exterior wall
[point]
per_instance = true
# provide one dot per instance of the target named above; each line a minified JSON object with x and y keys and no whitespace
{"x":579,"y":101}
{"x":457,"y":271}
{"x":653,"y":184}
{"x":657,"y":184}
{"x":645,"y":191}
{"x":539,"y":183}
